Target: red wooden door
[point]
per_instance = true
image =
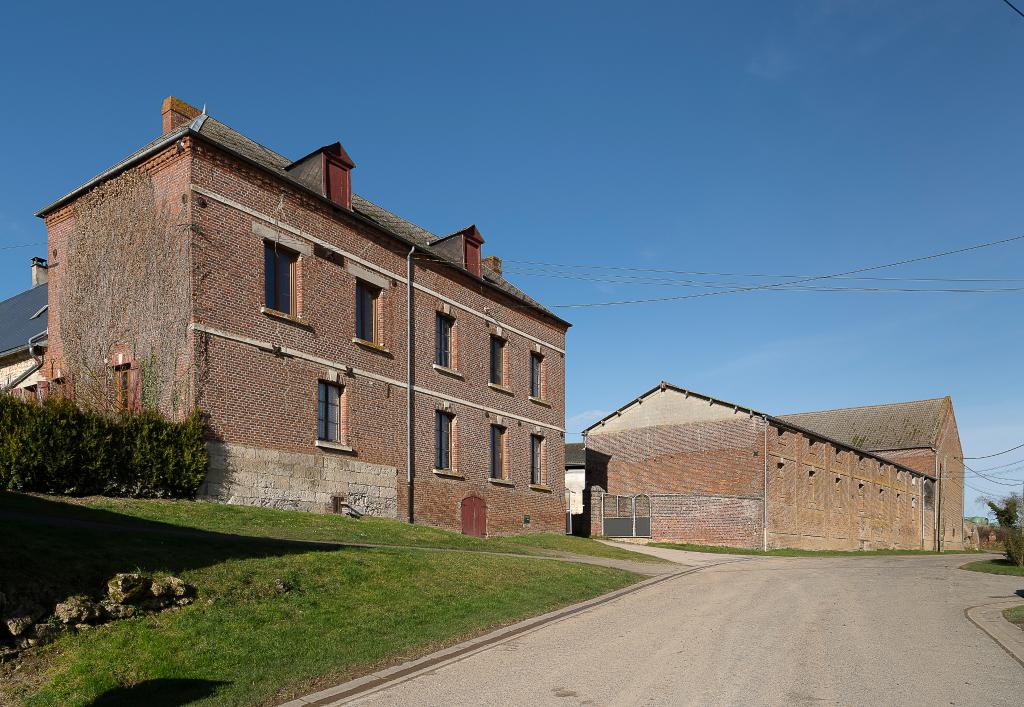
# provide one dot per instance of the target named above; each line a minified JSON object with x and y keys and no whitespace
{"x":474,"y":517}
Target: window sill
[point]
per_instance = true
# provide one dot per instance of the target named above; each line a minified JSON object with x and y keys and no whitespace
{"x":448,"y":371}
{"x":277,"y":314}
{"x":541,"y":487}
{"x":370,"y":345}
{"x":501,"y":482}
{"x":334,"y":446}
{"x":540,"y":401}
{"x":448,"y":474}
{"x":500,"y":388}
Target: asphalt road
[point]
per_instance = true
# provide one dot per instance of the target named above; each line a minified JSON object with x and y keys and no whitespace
{"x":761,"y":631}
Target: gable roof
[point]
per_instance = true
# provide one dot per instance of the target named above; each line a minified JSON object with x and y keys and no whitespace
{"x":16,"y":323}
{"x":909,"y":425}
{"x":781,"y":422}
{"x":575,"y":454}
{"x":251,"y":151}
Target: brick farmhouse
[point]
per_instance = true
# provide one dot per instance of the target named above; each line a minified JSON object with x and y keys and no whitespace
{"x":682,"y":466}
{"x":290,"y":331}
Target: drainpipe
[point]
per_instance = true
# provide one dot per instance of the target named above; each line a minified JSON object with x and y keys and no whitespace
{"x":764,"y":505}
{"x":939,"y":532}
{"x":410,"y":347}
{"x":32,"y":348}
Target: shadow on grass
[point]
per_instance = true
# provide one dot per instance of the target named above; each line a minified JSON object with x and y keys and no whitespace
{"x":164,"y":692}
{"x":52,"y":550}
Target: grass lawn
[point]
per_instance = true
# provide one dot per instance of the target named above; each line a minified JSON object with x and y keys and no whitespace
{"x":1000,"y":566}
{"x":242,"y":642}
{"x":792,"y":552}
{"x":1015,"y":616}
{"x":289,"y":525}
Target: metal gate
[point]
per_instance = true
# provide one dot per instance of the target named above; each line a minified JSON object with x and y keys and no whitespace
{"x":626,"y":516}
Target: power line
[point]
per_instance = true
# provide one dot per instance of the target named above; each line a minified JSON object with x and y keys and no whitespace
{"x":856,"y":271}
{"x":532,"y":267}
{"x":22,"y":245}
{"x":1013,"y":7}
{"x":1002,"y":466}
{"x":989,"y":456}
{"x":779,"y":287}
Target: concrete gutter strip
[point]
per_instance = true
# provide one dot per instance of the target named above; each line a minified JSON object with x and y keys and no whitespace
{"x":989,"y":618}
{"x":369,"y":683}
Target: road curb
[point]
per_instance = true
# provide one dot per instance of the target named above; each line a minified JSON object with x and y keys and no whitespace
{"x":989,"y":618}
{"x":358,"y":687}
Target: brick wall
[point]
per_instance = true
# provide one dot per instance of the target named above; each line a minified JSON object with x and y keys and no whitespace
{"x":255,"y":374}
{"x":711,"y":477}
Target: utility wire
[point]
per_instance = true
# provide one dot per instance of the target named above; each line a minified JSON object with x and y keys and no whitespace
{"x":1013,"y":7}
{"x":22,"y":245}
{"x":779,"y":287}
{"x":1002,"y":466}
{"x":539,"y":266}
{"x":856,"y":271}
{"x":989,"y":456}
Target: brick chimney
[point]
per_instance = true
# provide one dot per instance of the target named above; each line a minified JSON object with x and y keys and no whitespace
{"x":494,"y":263}
{"x":176,"y":112}
{"x":39,"y":271}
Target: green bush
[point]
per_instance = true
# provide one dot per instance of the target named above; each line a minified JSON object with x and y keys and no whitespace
{"x":1015,"y":546}
{"x":57,"y":448}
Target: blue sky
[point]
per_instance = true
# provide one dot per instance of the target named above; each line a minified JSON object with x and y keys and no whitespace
{"x":744,"y":137}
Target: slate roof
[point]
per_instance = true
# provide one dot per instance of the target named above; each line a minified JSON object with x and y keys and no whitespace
{"x":575,"y":454}
{"x":233,"y":141}
{"x":16,"y":323}
{"x":880,"y":427}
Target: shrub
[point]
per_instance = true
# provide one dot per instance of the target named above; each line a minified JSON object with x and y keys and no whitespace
{"x":56,"y":447}
{"x":1014,"y":543}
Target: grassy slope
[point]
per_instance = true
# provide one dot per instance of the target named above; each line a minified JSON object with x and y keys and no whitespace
{"x":792,"y":552}
{"x":269,"y":523}
{"x":242,"y":642}
{"x":1015,"y":615}
{"x":999,"y":566}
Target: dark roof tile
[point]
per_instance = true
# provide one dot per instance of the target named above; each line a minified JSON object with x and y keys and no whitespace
{"x":16,"y":323}
{"x":879,"y":427}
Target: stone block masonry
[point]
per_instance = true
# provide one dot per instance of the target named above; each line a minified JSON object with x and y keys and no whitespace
{"x":297,"y":481}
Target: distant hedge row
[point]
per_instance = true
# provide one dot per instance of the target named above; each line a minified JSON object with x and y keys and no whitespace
{"x":55,"y":447}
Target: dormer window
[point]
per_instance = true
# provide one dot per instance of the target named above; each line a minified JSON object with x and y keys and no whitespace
{"x":327,"y":171}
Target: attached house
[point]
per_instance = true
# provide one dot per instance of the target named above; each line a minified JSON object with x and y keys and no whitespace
{"x":347,"y":359}
{"x":23,"y":323}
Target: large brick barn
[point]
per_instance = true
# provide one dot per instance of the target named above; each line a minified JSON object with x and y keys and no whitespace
{"x":277,"y":301}
{"x":678,"y":465}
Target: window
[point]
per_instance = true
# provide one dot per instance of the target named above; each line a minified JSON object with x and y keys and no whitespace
{"x":537,"y":375}
{"x":443,"y":341}
{"x":537,"y":475}
{"x":123,"y":387}
{"x":366,"y":311}
{"x":497,"y":452}
{"x":444,"y":424}
{"x":328,"y":412}
{"x":279,"y":278}
{"x":497,"y":360}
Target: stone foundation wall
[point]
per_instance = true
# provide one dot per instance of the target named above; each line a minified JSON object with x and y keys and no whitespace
{"x":277,"y":479}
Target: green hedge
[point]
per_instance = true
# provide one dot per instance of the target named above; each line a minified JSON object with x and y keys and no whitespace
{"x":1015,"y":546}
{"x":57,"y":448}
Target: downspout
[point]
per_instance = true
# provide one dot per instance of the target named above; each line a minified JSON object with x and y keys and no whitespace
{"x":33,"y":368}
{"x":940,"y":533}
{"x":764,"y":505}
{"x":410,"y":347}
